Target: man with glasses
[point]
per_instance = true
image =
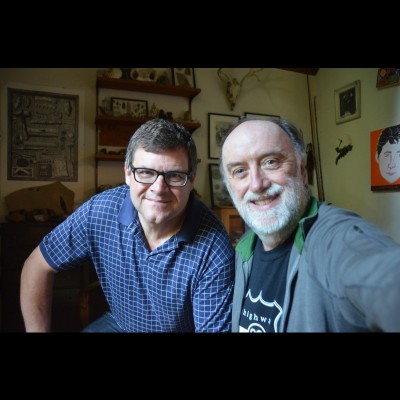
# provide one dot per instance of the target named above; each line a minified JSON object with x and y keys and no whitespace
{"x":163,"y":259}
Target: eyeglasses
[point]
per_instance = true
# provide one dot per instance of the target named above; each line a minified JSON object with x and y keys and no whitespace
{"x":149,"y":176}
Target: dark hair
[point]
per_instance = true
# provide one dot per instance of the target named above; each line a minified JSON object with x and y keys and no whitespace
{"x":295,"y":135}
{"x":391,"y":135}
{"x":158,"y":135}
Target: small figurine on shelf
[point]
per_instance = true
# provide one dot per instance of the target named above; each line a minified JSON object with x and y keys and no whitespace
{"x":163,"y":78}
{"x":125,"y":73}
{"x":162,"y":115}
{"x":134,"y":74}
{"x":106,"y":106}
{"x":144,"y":74}
{"x":115,"y":73}
{"x":153,"y":111}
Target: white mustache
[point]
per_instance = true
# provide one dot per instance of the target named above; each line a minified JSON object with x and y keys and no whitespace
{"x":273,"y":191}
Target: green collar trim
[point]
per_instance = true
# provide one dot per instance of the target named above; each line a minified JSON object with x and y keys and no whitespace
{"x":306,"y":223}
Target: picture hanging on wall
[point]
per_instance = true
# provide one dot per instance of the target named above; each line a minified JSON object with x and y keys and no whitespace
{"x":219,"y":194}
{"x":217,"y":125}
{"x":385,"y":158}
{"x":42,"y":136}
{"x":184,"y":77}
{"x":387,"y":77}
{"x":348,"y":102}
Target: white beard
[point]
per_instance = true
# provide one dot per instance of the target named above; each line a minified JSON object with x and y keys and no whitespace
{"x":280,"y":221}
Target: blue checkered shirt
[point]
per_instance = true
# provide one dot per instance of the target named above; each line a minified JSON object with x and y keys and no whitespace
{"x":185,"y":285}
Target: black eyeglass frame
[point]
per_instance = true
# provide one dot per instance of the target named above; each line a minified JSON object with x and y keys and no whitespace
{"x":187,"y":174}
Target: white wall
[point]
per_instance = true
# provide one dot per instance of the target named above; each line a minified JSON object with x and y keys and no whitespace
{"x":347,"y":184}
{"x":279,"y":92}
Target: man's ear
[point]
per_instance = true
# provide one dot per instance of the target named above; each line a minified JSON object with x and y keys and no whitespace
{"x":128,"y":173}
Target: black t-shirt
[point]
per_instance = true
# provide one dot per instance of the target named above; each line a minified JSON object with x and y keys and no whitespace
{"x":265,"y":293}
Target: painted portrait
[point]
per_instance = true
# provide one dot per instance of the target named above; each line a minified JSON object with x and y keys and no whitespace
{"x":385,"y":158}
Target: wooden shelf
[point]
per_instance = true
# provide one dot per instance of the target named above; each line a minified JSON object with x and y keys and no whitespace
{"x":109,"y":119}
{"x":117,"y":157}
{"x":109,"y":157}
{"x":147,"y":87}
{"x":116,"y":131}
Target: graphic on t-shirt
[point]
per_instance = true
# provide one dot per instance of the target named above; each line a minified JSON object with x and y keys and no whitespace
{"x":258,"y":315}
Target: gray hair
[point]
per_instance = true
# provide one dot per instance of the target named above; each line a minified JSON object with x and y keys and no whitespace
{"x":158,"y":135}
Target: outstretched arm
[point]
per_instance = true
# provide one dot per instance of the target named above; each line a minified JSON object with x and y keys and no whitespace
{"x":36,"y":294}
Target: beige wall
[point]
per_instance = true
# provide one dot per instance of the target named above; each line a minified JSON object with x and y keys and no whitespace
{"x":280,"y":92}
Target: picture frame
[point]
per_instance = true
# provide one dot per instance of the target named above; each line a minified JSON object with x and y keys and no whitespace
{"x":121,"y":107}
{"x":219,"y":194}
{"x":387,"y":77}
{"x":267,"y":117}
{"x":384,"y":149}
{"x":184,"y":77}
{"x":38,"y":121}
{"x":348,"y":102}
{"x":217,"y":125}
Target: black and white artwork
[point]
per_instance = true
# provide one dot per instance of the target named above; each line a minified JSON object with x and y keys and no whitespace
{"x":348,"y":102}
{"x":42,"y":136}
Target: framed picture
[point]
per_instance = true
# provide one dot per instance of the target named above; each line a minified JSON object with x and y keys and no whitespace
{"x":184,"y":77}
{"x":267,"y":117}
{"x":217,"y":125}
{"x":384,"y":153}
{"x":387,"y":77}
{"x":219,"y":194}
{"x":124,"y":107}
{"x":43,"y":138}
{"x":348,"y":102}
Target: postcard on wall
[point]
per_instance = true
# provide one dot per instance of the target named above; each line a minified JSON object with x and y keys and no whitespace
{"x":385,"y":158}
{"x":42,"y":136}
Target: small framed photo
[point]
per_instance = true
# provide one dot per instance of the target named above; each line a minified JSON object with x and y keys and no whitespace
{"x":129,"y":107}
{"x":218,"y":124}
{"x":267,"y":117}
{"x":219,"y":194}
{"x":387,"y":77}
{"x":184,"y":77}
{"x":348,"y":102}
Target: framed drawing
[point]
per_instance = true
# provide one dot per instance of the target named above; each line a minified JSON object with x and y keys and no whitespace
{"x":267,"y":117}
{"x":385,"y":158}
{"x":387,"y":77}
{"x":217,"y":125}
{"x":348,"y":102}
{"x":131,"y":107}
{"x":42,"y":136}
{"x":219,"y":194}
{"x":184,"y":77}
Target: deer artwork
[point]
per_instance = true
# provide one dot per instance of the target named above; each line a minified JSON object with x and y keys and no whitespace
{"x":233,"y":86}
